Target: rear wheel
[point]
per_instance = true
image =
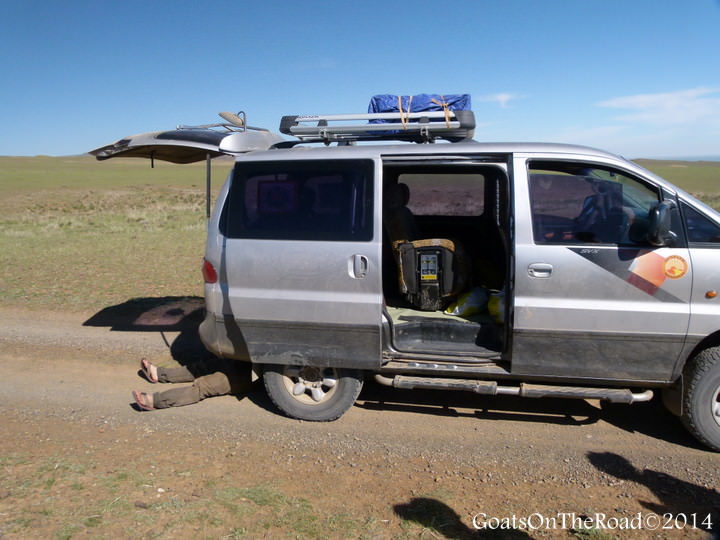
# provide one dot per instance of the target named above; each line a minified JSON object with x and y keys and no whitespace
{"x":701,"y":399}
{"x":312,"y":393}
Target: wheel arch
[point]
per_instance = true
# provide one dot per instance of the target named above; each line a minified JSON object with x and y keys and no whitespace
{"x":711,"y":340}
{"x":672,"y":396}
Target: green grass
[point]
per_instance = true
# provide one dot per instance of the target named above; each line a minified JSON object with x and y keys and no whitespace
{"x":701,"y":178}
{"x":692,"y":176}
{"x":80,"y":235}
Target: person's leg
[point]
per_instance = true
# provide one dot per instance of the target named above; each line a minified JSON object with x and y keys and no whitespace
{"x":156,"y":374}
{"x":176,"y":397}
{"x":174,"y":375}
{"x":190,"y":372}
{"x":214,"y":384}
{"x":232,"y":378}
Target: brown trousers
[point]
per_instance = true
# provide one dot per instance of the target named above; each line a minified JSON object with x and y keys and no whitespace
{"x":210,"y":378}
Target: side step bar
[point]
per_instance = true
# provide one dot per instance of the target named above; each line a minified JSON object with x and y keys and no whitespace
{"x":491,"y":388}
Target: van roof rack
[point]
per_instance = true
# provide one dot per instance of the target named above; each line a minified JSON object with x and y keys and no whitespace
{"x":421,"y":127}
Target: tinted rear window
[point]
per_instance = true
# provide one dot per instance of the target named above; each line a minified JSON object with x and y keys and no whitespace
{"x":301,"y":200}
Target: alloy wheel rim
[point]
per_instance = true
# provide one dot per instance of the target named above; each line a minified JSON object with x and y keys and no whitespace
{"x":310,"y":385}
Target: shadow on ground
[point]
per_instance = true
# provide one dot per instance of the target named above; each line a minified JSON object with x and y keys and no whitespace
{"x":650,"y":418}
{"x":179,"y":316}
{"x":499,"y":408}
{"x":163,"y":314}
{"x":167,"y":314}
{"x":434,"y":515}
{"x":679,"y":500}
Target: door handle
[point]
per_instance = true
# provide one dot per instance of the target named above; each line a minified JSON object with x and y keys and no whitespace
{"x":358,"y":267}
{"x":540,"y":270}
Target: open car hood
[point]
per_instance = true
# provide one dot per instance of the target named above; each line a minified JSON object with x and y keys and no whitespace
{"x":188,"y":145}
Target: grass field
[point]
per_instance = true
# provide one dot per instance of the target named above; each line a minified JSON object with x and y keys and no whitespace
{"x":82,"y":235}
{"x":701,"y":178}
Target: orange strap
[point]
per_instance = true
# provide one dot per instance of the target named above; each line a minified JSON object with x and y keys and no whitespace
{"x":445,"y":108}
{"x":404,"y":120}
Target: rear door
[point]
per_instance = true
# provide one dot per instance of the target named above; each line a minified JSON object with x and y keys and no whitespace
{"x":301,"y":260}
{"x":593,"y":299}
{"x":189,"y":145}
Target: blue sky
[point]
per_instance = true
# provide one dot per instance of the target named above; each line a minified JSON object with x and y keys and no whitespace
{"x":636,"y":77}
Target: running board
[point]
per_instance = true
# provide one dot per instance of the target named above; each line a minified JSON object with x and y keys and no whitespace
{"x":491,"y":388}
{"x":444,"y":365}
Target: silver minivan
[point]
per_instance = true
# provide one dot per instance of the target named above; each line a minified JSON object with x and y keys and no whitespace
{"x":443,"y":263}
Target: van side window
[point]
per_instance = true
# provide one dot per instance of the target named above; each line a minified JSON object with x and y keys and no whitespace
{"x":329,"y":200}
{"x":445,"y":194}
{"x":575,"y":203}
{"x":700,"y":229}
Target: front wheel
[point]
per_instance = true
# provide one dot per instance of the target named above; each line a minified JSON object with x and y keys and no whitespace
{"x":312,"y":393}
{"x":701,"y":399}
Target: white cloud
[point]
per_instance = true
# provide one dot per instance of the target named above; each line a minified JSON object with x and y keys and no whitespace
{"x":682,"y":108}
{"x":502,"y":98}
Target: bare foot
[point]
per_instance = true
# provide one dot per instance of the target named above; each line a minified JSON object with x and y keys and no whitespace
{"x":143,"y":400}
{"x":149,"y":370}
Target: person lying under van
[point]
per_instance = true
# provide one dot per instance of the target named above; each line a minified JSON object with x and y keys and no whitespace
{"x":209,"y":378}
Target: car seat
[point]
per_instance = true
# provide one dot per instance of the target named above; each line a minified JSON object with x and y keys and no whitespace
{"x":430,"y":270}
{"x":400,"y":222}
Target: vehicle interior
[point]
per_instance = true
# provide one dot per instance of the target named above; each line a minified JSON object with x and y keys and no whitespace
{"x":445,"y":258}
{"x":583,"y":204}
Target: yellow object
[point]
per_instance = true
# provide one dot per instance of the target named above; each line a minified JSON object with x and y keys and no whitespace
{"x":469,"y":303}
{"x":496,"y":306}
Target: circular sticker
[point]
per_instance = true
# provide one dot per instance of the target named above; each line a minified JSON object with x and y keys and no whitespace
{"x":675,"y":267}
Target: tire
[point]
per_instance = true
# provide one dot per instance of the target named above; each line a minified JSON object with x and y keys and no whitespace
{"x":312,"y":393}
{"x":701,"y":397}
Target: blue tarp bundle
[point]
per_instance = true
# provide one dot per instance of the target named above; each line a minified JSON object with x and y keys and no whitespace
{"x":382,"y":103}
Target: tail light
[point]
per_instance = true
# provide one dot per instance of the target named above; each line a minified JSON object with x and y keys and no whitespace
{"x":209,"y":273}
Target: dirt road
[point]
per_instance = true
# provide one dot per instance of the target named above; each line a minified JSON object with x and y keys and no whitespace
{"x":79,"y":461}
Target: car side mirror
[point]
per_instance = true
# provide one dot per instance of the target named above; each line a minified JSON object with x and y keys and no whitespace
{"x":659,"y":233}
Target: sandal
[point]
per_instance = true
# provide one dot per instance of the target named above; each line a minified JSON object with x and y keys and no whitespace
{"x":143,"y":400}
{"x":146,"y":369}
